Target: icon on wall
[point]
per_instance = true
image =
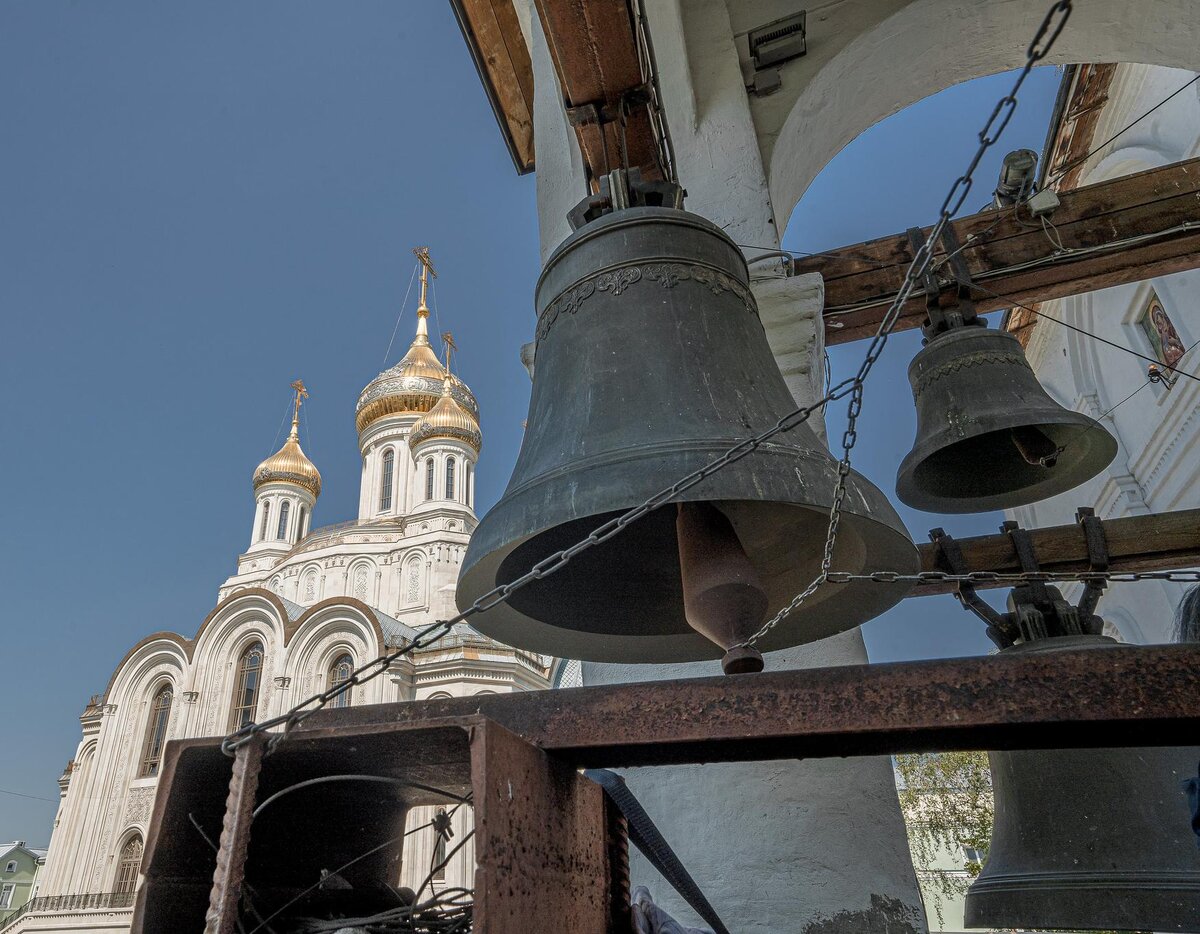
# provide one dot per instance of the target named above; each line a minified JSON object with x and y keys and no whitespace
{"x":1164,"y":339}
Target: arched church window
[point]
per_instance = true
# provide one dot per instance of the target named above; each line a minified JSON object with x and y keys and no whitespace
{"x":266,"y":523}
{"x":339,"y":673}
{"x":450,"y":462}
{"x":283,"y":517}
{"x":246,"y":685}
{"x":429,"y":478}
{"x":300,"y":517}
{"x":128,"y":866}
{"x":385,"y":485}
{"x":156,"y":732}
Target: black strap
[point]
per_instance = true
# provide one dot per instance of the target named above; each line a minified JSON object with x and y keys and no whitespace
{"x":647,"y":838}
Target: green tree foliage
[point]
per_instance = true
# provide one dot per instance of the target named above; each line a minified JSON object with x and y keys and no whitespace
{"x":948,"y":806}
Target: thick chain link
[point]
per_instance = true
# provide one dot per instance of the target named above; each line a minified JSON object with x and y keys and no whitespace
{"x":1023,"y":577}
{"x":852,"y":387}
{"x":1049,"y":30}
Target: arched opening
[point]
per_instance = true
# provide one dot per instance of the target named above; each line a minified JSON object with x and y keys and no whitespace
{"x":429,"y":479}
{"x":450,"y":468}
{"x":437,"y":868}
{"x":156,"y":732}
{"x":385,"y":482}
{"x":912,"y":53}
{"x":246,"y":685}
{"x":129,"y":864}
{"x":339,"y":673}
{"x":301,"y":516}
{"x":283,"y":520}
{"x":266,"y":520}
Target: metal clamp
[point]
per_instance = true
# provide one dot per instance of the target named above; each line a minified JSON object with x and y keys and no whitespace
{"x":1037,"y":610}
{"x":948,"y":304}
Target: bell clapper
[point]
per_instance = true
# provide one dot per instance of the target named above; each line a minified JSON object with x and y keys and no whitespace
{"x":1035,"y":446}
{"x":723,"y":598}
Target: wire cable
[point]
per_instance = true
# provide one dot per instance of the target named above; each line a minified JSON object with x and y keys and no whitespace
{"x":404,"y":304}
{"x":17,"y":794}
{"x":1082,"y":159}
{"x":1076,"y":328}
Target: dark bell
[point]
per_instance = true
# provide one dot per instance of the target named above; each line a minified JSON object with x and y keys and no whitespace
{"x":651,"y":362}
{"x":988,"y":435}
{"x":1089,"y":839}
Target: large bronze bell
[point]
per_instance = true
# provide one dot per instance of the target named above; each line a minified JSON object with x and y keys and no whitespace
{"x":988,"y":435}
{"x":651,"y":362}
{"x":1089,"y":839}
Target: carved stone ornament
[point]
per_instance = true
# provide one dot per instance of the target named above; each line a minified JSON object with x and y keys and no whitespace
{"x":137,"y":808}
{"x":617,"y":281}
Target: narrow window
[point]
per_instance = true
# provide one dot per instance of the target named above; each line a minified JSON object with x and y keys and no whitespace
{"x":283,"y":517}
{"x":128,"y":866}
{"x":245,"y":686}
{"x":11,"y":867}
{"x":438,"y":868}
{"x":470,"y":481}
{"x":262,"y":533}
{"x":450,"y":477}
{"x":429,"y":479}
{"x":156,"y":732}
{"x":339,"y":672}
{"x":300,"y":517}
{"x":6,"y":894}
{"x":385,"y":485}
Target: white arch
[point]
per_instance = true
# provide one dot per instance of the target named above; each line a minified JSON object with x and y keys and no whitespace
{"x":929,"y":45}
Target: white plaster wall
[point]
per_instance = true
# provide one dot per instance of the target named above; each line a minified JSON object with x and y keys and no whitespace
{"x":1157,"y":467}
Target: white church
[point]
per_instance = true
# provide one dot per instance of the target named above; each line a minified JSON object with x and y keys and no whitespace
{"x":304,"y":608}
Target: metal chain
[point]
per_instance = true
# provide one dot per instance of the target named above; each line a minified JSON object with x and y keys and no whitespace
{"x":852,"y":386}
{"x":544,"y":568}
{"x":1023,"y":577}
{"x":1052,"y":24}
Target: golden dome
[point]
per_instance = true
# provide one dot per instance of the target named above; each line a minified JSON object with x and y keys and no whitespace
{"x":447,"y":419}
{"x":412,"y":386}
{"x":289,"y":464}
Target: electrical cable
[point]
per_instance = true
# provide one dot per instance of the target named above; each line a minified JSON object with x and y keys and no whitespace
{"x":1076,"y":328}
{"x":1062,"y":170}
{"x":17,"y":794}
{"x":404,"y":304}
{"x":379,"y":779}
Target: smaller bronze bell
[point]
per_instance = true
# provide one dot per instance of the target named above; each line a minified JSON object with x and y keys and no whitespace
{"x":1088,"y":839}
{"x":988,"y":435}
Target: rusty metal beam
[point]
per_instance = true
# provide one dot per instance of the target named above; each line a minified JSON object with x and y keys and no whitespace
{"x":1156,"y":542}
{"x":1121,"y":696}
{"x":1158,"y":211}
{"x":594,"y":49}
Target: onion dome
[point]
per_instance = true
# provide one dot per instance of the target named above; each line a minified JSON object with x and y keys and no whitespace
{"x":289,"y":465}
{"x":447,"y":419}
{"x":412,"y":386}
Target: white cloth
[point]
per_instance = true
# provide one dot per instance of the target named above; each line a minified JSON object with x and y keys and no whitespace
{"x":648,"y":918}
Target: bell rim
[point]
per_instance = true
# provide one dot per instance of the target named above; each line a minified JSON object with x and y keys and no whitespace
{"x":877,"y":527}
{"x":1099,"y":451}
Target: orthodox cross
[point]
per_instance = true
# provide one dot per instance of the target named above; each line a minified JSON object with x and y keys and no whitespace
{"x":427,"y":270}
{"x":448,"y":340}
{"x":301,"y":393}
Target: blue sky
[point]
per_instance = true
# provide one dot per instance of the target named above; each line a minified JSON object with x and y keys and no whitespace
{"x":203,"y":202}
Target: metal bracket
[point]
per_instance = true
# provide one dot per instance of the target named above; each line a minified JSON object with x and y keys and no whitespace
{"x":948,"y":303}
{"x":621,"y":189}
{"x":950,"y":557}
{"x":1037,"y":610}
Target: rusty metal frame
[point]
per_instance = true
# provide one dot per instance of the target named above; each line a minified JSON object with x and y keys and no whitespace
{"x":537,"y":817}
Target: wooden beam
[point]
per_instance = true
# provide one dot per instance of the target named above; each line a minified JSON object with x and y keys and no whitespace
{"x":595,"y":54}
{"x":497,"y":46}
{"x":1156,"y":542}
{"x":1011,"y":257}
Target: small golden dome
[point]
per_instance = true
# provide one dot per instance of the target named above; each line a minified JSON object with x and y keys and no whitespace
{"x":447,"y":419}
{"x":412,"y":386}
{"x":289,"y":465}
